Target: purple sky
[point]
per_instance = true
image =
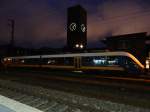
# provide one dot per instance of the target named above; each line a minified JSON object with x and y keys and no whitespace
{"x":42,"y":23}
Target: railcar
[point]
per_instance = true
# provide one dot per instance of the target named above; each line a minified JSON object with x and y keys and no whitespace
{"x":105,"y":61}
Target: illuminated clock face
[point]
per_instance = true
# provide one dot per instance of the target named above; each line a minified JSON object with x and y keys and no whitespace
{"x":83,"y":28}
{"x":73,"y":26}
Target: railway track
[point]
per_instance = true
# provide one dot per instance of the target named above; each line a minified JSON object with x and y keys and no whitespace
{"x":49,"y":100}
{"x":128,"y":82}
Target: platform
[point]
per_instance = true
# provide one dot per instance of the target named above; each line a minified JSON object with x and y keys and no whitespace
{"x":9,"y":105}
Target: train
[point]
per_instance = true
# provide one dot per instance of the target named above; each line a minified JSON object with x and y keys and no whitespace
{"x":103,"y":61}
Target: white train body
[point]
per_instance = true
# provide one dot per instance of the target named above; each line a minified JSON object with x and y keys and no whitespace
{"x":105,"y":61}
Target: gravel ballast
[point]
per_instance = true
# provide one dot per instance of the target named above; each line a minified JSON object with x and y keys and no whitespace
{"x":91,"y":104}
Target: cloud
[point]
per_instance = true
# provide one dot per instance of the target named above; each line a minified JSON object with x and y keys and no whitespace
{"x":118,"y":17}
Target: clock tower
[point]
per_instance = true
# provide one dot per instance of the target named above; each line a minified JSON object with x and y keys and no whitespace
{"x":76,"y":28}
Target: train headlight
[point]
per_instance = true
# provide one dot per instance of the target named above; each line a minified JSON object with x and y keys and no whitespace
{"x":9,"y":59}
{"x":5,"y":59}
{"x":147,"y":64}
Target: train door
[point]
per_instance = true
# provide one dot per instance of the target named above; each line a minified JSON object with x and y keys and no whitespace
{"x":77,"y":62}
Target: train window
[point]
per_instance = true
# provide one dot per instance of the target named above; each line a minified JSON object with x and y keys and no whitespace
{"x":68,"y":61}
{"x":51,"y":61}
{"x":101,"y":61}
{"x":45,"y":61}
{"x":58,"y":61}
{"x":130,"y":64}
{"x":15,"y":60}
{"x":113,"y":60}
{"x":31,"y":61}
{"x":18,"y":61}
{"x":48,"y":61}
{"x":87,"y":61}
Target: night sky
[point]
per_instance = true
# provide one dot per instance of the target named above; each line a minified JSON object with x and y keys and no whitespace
{"x":42,"y":23}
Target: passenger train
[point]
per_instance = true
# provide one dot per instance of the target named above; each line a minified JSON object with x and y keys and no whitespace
{"x":105,"y":61}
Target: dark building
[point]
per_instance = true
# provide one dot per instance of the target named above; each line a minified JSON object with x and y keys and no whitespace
{"x":148,"y":46}
{"x":136,"y":44}
{"x":76,"y":28}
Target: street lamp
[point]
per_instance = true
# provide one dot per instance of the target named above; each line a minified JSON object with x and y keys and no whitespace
{"x":77,"y":45}
{"x":81,"y":46}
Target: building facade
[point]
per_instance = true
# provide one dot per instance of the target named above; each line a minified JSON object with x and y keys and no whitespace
{"x":136,"y":44}
{"x":76,"y":28}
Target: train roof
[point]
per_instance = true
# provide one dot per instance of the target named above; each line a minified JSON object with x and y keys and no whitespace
{"x":75,"y":55}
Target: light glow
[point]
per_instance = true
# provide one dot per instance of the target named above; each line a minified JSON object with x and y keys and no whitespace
{"x":147,"y":64}
{"x":99,"y":61}
{"x":9,"y":59}
{"x":77,"y":45}
{"x":22,"y":61}
{"x":51,"y":61}
{"x":81,"y":46}
{"x":5,"y":59}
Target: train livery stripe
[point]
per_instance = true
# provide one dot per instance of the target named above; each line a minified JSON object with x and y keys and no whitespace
{"x":44,"y":66}
{"x":23,"y":65}
{"x":102,"y":68}
{"x":136,"y":60}
{"x":57,"y":66}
